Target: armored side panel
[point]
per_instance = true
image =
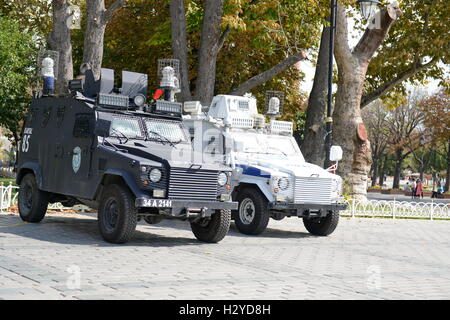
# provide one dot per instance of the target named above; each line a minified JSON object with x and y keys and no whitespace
{"x":58,"y":137}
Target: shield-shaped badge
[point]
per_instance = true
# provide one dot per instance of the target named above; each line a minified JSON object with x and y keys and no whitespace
{"x":76,"y":159}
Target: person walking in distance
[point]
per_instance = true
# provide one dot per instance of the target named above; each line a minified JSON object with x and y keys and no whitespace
{"x":419,"y":189}
{"x":413,"y":189}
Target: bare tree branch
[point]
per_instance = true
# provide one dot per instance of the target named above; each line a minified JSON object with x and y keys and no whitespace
{"x":384,"y":88}
{"x":222,"y":38}
{"x":269,"y":74}
{"x":108,"y":13}
{"x":376,"y":32}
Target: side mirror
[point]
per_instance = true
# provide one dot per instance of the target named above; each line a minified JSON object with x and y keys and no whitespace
{"x":336,"y":153}
{"x":102,"y":128}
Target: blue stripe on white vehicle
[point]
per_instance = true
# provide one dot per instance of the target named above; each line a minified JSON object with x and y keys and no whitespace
{"x":253,"y":171}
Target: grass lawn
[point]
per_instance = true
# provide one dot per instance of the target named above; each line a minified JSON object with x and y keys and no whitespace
{"x":7,"y":180}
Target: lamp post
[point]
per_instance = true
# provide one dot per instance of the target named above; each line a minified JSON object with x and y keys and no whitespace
{"x":367,"y":9}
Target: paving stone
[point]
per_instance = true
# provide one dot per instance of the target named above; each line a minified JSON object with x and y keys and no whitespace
{"x":362,"y":259}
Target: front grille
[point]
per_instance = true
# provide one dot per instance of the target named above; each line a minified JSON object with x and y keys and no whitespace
{"x":193,"y":184}
{"x":312,"y":190}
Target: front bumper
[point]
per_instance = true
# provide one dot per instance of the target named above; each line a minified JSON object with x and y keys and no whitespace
{"x":187,"y":206}
{"x":300,"y":207}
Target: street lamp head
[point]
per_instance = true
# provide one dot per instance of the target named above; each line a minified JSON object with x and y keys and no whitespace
{"x":368,"y":8}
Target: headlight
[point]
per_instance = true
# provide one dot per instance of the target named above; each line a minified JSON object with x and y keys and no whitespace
{"x":283,"y":183}
{"x":155,"y":175}
{"x":139,"y":100}
{"x":222,"y":179}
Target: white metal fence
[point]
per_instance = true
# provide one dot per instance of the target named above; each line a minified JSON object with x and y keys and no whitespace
{"x":397,"y":209}
{"x":356,"y":208}
{"x":9,"y":195}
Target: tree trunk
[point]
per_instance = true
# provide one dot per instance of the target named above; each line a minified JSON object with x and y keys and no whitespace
{"x":375,"y":166}
{"x":447,"y":178}
{"x":210,"y":45}
{"x":383,"y":168}
{"x":421,"y":172}
{"x":398,"y":168}
{"x":349,"y":131}
{"x":313,"y":144}
{"x":179,"y":46}
{"x":97,"y":19}
{"x":59,"y":40}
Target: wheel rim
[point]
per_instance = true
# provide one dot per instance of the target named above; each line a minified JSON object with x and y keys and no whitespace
{"x":26,"y":197}
{"x":111,"y":214}
{"x":247,"y":211}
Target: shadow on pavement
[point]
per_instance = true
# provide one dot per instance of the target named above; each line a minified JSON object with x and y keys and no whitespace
{"x":84,"y":231}
{"x":270,"y":233}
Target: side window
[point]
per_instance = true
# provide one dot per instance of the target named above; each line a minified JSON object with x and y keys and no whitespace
{"x":84,"y":125}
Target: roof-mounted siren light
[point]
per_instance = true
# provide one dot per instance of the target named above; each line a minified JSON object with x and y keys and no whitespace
{"x":47,"y":67}
{"x":193,"y":108}
{"x":274,"y":103}
{"x":169,"y":77}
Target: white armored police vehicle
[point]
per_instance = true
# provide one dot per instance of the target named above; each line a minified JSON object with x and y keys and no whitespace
{"x":271,"y":178}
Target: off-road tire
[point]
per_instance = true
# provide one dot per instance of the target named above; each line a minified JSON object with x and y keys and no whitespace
{"x":322,"y":226}
{"x":117,"y":201}
{"x":261,"y":212}
{"x":33,"y":209}
{"x":214,"y":229}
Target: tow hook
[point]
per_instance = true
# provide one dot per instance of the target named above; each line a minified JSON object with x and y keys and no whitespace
{"x":201,"y":213}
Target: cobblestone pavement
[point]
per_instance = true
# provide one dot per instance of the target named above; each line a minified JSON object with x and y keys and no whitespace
{"x":363,"y":259}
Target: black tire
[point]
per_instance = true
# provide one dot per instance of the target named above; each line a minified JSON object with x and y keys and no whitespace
{"x":214,"y":229}
{"x":322,"y":226}
{"x":152,"y":219}
{"x":117,"y":214}
{"x":253,"y":213}
{"x":32,"y":201}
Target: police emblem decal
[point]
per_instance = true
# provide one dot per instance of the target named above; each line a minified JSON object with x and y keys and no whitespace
{"x":76,"y":159}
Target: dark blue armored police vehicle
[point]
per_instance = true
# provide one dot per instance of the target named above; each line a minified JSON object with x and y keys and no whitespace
{"x":107,"y":148}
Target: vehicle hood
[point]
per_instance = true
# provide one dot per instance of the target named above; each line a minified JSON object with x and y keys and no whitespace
{"x":180,"y":156}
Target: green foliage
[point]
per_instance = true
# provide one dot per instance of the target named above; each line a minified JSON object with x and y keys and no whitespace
{"x":17,"y":55}
{"x":420,"y":35}
{"x":262,"y":34}
{"x":34,"y":16}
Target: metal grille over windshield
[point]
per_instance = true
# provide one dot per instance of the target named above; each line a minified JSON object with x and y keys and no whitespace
{"x":126,"y":126}
{"x":171,"y":130}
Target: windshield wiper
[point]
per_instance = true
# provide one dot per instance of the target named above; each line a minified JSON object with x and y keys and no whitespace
{"x":112,"y":145}
{"x":121,"y":133}
{"x":270,"y":147}
{"x":163,"y":138}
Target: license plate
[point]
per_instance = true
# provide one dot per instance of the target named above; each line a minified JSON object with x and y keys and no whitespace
{"x":157,"y":203}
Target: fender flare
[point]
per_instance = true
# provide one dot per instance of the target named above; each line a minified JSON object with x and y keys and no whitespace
{"x":33,"y":166}
{"x":262,"y":186}
{"x":127,"y":178}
